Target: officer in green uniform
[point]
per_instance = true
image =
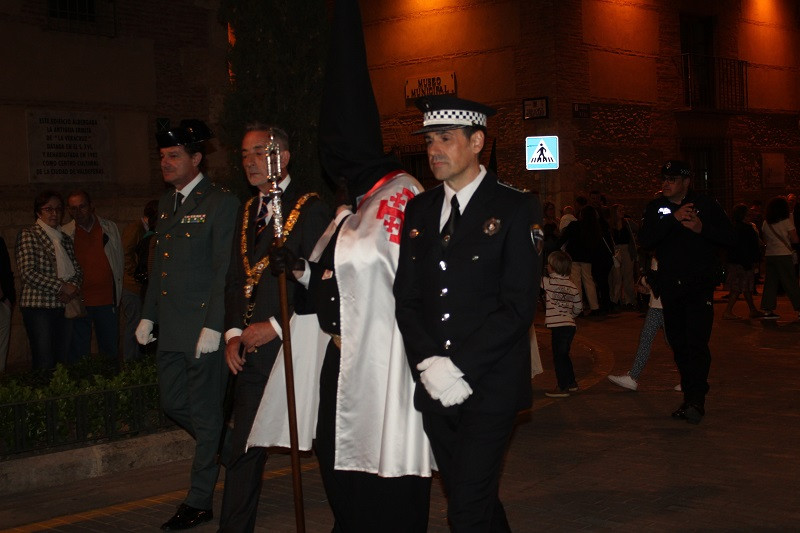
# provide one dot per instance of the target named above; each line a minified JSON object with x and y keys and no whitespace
{"x":185,"y":297}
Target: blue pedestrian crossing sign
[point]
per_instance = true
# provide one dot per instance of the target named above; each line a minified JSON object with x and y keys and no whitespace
{"x":541,"y":153}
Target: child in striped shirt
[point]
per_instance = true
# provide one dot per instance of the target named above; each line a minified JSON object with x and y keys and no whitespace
{"x":562,"y":305}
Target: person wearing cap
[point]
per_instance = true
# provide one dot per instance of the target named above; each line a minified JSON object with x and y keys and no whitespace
{"x":253,"y":333}
{"x":186,"y":298}
{"x":685,"y":230}
{"x":466,"y":290}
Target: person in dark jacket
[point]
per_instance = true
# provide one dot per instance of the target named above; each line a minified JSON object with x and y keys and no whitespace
{"x":685,"y":229}
{"x":744,"y":253}
{"x":8,"y":297}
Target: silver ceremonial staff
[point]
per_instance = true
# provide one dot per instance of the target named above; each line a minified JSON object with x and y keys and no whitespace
{"x":273,"y":155}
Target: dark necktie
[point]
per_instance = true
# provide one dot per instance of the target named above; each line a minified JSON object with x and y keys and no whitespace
{"x":449,"y":228}
{"x":261,"y":219}
{"x":178,"y":201}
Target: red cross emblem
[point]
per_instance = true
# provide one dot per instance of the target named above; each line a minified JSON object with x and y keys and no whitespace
{"x":392,"y":212}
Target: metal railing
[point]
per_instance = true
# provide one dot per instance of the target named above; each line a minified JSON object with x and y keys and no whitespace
{"x":713,"y":83}
{"x":80,"y":419}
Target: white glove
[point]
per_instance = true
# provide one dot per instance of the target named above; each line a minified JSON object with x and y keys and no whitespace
{"x":208,"y":342}
{"x":457,"y":394}
{"x":144,"y":332}
{"x":438,"y":374}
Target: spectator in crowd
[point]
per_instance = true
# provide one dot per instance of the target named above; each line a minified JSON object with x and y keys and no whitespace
{"x":567,"y":216}
{"x":98,"y":249}
{"x":562,"y":304}
{"x":742,"y":256}
{"x":794,"y":215}
{"x":51,"y":277}
{"x":131,"y":304}
{"x":622,"y":277}
{"x":653,"y":321}
{"x":779,"y":234}
{"x":583,"y":241}
{"x":757,"y":220}
{"x":8,"y":297}
{"x":549,"y":228}
{"x":603,"y":262}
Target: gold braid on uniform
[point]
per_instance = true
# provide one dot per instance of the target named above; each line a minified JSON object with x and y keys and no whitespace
{"x":254,"y":273}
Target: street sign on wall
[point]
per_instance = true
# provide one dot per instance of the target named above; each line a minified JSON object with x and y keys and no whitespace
{"x":541,"y":153}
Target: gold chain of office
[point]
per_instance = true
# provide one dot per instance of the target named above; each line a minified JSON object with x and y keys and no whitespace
{"x":254,"y":272}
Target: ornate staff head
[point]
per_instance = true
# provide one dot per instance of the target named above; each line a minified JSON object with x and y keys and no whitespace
{"x":273,"y":155}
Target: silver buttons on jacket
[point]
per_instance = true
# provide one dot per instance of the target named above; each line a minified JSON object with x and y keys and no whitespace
{"x":445,"y":317}
{"x":447,"y":344}
{"x":443,"y":292}
{"x":443,"y":265}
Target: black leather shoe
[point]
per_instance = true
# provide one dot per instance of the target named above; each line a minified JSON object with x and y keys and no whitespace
{"x":694,"y":413}
{"x":187,"y":517}
{"x":680,"y":412}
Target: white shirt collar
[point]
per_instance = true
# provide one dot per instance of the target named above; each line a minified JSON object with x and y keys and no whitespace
{"x":466,"y":192}
{"x":187,"y":190}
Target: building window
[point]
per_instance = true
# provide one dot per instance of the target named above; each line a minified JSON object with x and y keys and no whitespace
{"x":414,"y":160}
{"x":712,"y":162}
{"x":96,"y":17}
{"x":83,"y":10}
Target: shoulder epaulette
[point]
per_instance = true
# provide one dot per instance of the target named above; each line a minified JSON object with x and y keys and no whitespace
{"x":512,"y":187}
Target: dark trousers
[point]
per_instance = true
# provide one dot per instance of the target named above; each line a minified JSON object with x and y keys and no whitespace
{"x":600,"y":272}
{"x":48,"y":333}
{"x":105,"y":320}
{"x":192,"y":390}
{"x":363,"y":502}
{"x":562,"y":340}
{"x":244,"y":470}
{"x":469,"y":449}
{"x":688,"y":318}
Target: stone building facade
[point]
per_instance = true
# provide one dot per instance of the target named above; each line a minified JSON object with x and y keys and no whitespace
{"x":628,"y":84}
{"x":624,"y":84}
{"x":119,"y":66}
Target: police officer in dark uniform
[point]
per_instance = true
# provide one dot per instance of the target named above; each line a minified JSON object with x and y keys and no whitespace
{"x":685,"y":229}
{"x":185,"y":297}
{"x":466,"y":290}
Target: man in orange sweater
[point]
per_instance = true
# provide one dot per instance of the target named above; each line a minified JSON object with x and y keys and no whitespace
{"x":98,"y":249}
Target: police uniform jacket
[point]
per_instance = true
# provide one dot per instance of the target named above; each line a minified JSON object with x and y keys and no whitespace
{"x":474,"y":300}
{"x":683,"y":254}
{"x":186,"y":291}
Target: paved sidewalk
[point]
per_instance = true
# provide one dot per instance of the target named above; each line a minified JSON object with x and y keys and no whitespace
{"x":604,"y":459}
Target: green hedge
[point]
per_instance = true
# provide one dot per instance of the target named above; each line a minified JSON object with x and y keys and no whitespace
{"x":80,"y":404}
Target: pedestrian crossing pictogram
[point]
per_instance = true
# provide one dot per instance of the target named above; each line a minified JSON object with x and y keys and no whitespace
{"x":541,"y":153}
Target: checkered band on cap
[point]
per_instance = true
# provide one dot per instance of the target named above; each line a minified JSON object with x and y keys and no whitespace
{"x":461,"y":117}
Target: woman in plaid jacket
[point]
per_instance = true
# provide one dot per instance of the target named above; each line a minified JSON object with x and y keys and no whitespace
{"x":50,"y":278}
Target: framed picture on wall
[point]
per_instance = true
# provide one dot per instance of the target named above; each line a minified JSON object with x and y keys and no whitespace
{"x":535,"y":108}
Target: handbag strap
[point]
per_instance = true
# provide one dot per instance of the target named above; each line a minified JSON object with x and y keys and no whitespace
{"x":780,"y":238}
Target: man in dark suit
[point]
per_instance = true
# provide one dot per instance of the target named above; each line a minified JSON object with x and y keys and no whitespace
{"x":466,"y":291}
{"x":186,"y":298}
{"x":252,"y":309}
